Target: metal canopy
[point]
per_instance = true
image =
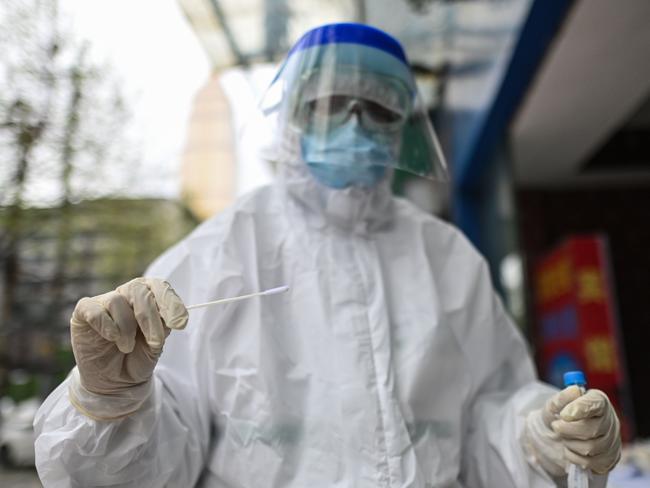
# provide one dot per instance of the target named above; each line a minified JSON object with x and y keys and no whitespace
{"x":235,"y":32}
{"x":240,"y":32}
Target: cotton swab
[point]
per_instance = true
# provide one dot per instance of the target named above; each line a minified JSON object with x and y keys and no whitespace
{"x":272,"y":291}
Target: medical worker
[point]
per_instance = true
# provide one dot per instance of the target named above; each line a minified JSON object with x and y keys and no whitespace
{"x":390,"y":362}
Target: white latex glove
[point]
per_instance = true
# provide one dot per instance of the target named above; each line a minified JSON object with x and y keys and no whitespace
{"x":117,"y":338}
{"x":577,"y":429}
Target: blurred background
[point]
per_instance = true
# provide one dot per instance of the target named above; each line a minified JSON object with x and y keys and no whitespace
{"x":123,"y":125}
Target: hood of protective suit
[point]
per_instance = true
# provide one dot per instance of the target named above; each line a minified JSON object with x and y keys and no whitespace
{"x":354,"y":208}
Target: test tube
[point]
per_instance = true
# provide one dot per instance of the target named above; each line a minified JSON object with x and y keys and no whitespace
{"x":577,"y":476}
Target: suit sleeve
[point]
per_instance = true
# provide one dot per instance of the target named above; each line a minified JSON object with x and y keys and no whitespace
{"x":165,"y":443}
{"x":504,"y":387}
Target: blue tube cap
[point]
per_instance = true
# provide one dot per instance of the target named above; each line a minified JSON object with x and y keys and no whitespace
{"x":574,"y":378}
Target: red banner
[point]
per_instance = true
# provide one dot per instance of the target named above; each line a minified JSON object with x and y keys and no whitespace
{"x":576,"y":324}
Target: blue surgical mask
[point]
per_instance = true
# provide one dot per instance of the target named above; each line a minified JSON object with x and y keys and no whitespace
{"x":348,"y":156}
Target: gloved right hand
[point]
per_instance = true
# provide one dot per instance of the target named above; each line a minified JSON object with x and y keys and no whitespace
{"x":117,"y":338}
{"x":574,"y":428}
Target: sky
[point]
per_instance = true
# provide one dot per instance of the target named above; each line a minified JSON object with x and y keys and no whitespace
{"x":152,"y":48}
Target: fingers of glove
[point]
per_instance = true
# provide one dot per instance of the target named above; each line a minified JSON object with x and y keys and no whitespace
{"x":91,"y":313}
{"x":123,"y":316}
{"x":557,"y":402}
{"x":591,"y":447}
{"x":599,"y":464}
{"x":584,"y":429}
{"x":143,"y":303}
{"x":573,"y":458}
{"x":544,"y":444}
{"x":172,"y":309}
{"x":593,"y":403}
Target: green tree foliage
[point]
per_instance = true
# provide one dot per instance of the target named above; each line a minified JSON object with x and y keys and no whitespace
{"x":65,"y":162}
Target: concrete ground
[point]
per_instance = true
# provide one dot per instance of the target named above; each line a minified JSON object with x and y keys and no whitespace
{"x":19,"y":478}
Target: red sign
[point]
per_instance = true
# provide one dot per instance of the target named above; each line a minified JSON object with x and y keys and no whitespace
{"x":576,"y":324}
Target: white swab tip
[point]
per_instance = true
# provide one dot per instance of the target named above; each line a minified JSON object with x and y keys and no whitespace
{"x":273,"y":291}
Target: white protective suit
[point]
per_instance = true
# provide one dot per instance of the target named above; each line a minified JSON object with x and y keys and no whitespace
{"x":390,"y":362}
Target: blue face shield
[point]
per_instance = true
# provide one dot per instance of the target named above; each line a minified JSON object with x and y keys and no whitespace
{"x":336,"y":73}
{"x":348,"y":155}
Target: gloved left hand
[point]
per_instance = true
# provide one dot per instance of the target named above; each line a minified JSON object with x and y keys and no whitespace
{"x":117,"y":339}
{"x":574,"y":428}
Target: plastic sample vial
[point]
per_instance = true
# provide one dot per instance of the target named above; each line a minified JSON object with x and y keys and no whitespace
{"x":577,"y":476}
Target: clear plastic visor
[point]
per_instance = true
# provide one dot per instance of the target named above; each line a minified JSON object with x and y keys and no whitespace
{"x":321,"y":90}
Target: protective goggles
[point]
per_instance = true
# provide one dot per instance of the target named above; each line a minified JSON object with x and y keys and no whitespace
{"x":324,"y":103}
{"x":334,"y":111}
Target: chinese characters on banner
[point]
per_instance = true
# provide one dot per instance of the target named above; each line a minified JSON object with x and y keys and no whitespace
{"x":576,"y":322}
